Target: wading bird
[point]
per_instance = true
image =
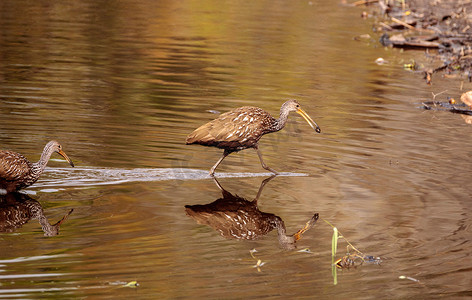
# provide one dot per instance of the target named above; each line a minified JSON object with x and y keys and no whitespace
{"x":17,"y":172}
{"x":243,"y":127}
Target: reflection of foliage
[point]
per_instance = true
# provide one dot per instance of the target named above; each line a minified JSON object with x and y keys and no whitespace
{"x":350,"y":259}
{"x":259,"y":263}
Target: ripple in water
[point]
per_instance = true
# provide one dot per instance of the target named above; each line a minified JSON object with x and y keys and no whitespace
{"x":56,"y":178}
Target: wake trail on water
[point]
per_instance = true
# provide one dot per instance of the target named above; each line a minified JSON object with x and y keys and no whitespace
{"x":54,"y":179}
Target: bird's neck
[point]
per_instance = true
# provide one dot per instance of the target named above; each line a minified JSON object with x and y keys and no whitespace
{"x":286,"y":241}
{"x":39,"y":166}
{"x":45,"y":225}
{"x":280,"y":122}
{"x":37,"y":212}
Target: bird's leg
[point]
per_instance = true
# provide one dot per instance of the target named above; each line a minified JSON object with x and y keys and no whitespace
{"x":262,"y":161}
{"x":212,"y":170}
{"x":263,"y":183}
{"x":218,"y":184}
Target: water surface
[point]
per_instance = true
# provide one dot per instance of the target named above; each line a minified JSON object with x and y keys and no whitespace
{"x":121,"y":84}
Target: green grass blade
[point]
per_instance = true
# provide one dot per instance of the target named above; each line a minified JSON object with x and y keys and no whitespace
{"x":334,"y":242}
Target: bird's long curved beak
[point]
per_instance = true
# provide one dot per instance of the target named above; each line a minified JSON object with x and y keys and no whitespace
{"x":309,"y":120}
{"x":66,"y":157}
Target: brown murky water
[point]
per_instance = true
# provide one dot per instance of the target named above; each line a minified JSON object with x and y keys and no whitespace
{"x":121,"y":84}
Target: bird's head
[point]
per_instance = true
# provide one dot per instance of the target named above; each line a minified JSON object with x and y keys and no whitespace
{"x":56,"y":147}
{"x":293,"y":105}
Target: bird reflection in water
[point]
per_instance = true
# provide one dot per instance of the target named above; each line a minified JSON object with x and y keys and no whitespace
{"x":235,"y":217}
{"x":467,"y":119}
{"x":16,"y":209}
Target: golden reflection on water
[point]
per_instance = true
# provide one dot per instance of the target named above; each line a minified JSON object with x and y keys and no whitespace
{"x":121,"y":85}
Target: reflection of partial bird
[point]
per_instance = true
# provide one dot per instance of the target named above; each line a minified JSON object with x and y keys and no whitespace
{"x":466,"y":98}
{"x":242,"y":128}
{"x":467,"y":119}
{"x":17,"y":172}
{"x":16,"y":209}
{"x":235,"y":217}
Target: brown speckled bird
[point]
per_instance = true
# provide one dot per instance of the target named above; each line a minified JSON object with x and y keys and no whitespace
{"x":17,"y":172}
{"x":242,"y":128}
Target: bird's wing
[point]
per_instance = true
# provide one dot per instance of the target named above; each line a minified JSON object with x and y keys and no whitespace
{"x":233,"y":126}
{"x":216,"y":130}
{"x":225,"y":128}
{"x":13,"y":165}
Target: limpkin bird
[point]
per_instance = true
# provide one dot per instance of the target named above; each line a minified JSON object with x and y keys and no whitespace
{"x":17,"y":172}
{"x":243,"y":127}
{"x":237,"y":218}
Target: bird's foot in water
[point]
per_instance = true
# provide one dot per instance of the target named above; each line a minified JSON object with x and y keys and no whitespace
{"x":272,"y":170}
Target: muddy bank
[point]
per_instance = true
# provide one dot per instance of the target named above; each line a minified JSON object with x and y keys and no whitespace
{"x":441,"y":28}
